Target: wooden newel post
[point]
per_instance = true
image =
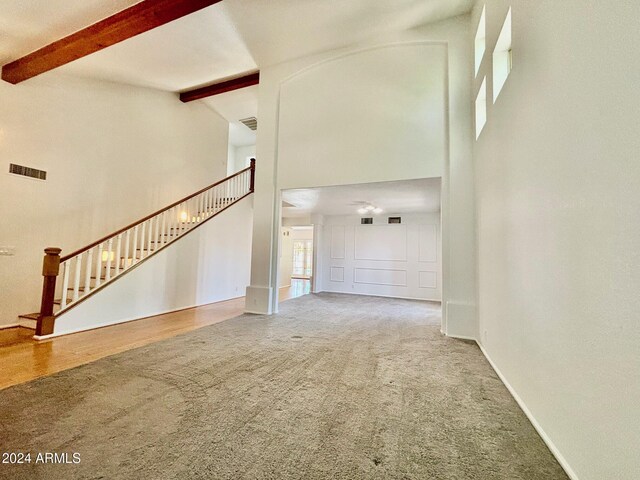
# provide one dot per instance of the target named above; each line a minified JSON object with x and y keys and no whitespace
{"x":253,"y":174}
{"x":50,"y":270}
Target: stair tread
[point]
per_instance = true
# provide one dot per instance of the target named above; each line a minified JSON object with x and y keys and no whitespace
{"x":30,"y":316}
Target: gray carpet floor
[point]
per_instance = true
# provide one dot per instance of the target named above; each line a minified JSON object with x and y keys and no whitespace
{"x":333,"y":387}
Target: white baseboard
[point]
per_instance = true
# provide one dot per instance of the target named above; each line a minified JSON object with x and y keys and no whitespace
{"x":545,"y":438}
{"x":10,"y":325}
{"x":125,"y":320}
{"x":382,"y":296}
{"x":461,"y":337}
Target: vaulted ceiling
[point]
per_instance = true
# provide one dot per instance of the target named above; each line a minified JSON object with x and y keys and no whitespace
{"x":223,"y":40}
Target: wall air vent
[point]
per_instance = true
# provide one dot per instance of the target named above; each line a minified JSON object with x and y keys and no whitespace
{"x":366,"y":221}
{"x":251,"y":122}
{"x":27,"y":171}
{"x":395,"y":219}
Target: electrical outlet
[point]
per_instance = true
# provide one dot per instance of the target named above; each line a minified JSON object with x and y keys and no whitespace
{"x":7,"y":251}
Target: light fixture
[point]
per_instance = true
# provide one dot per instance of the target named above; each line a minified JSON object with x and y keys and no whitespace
{"x":184,"y":217}
{"x":106,"y":255}
{"x":368,"y":208}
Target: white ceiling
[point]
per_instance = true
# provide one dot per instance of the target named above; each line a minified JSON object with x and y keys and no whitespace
{"x":406,"y":196}
{"x":235,"y":106}
{"x":186,"y":53}
{"x":27,"y":25}
{"x":220,"y":41}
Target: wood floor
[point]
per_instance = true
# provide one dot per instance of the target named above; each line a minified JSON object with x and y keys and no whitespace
{"x":28,"y":359}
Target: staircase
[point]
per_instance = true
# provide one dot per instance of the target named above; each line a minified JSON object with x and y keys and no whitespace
{"x":86,"y":271}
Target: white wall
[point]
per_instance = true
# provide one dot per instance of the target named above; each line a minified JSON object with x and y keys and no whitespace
{"x":559,"y":226}
{"x":355,"y":118}
{"x":210,"y":264}
{"x":113,"y":154}
{"x":243,"y":156}
{"x":286,"y":258}
{"x":239,"y":157}
{"x":381,"y":259}
{"x":430,"y":65}
{"x":231,"y":158}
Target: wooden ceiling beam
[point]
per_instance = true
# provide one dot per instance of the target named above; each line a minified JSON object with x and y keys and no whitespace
{"x":137,"y":19}
{"x":221,"y":87}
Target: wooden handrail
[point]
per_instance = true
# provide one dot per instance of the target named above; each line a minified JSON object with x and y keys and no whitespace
{"x":124,"y":229}
{"x":90,"y":261}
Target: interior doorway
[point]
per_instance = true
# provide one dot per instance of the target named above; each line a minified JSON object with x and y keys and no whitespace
{"x":296,"y":261}
{"x":376,"y":239}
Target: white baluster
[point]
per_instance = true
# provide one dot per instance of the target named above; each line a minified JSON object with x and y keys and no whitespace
{"x":109,"y":258}
{"x":151,"y":222}
{"x":171,"y":223}
{"x":99,"y":266}
{"x":65,"y":284}
{"x":184,"y":218}
{"x":118,"y":250}
{"x":163,"y":229}
{"x":134,"y":246}
{"x":205,"y":204}
{"x":127,"y":239}
{"x":175,"y":222}
{"x":143,"y":231}
{"x":87,"y":274}
{"x":213,"y":200}
{"x":76,"y":279}
{"x":154,"y":239}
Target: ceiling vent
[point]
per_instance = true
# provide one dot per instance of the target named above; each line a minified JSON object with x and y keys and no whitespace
{"x":27,"y":171}
{"x":251,"y":122}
